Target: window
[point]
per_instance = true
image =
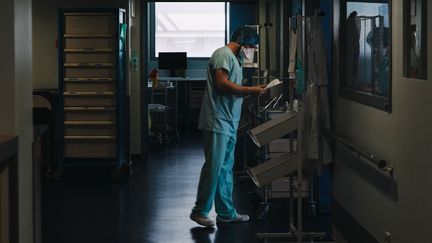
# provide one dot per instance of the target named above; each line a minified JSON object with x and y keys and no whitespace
{"x":366,"y":60}
{"x":415,"y":39}
{"x":197,"y":28}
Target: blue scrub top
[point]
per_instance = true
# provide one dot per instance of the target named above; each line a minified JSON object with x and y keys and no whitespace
{"x":220,"y":112}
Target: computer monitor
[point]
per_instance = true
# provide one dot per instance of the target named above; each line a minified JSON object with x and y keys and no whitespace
{"x":172,"y":61}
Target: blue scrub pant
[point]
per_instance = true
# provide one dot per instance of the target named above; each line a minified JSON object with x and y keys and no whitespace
{"x":216,"y":180}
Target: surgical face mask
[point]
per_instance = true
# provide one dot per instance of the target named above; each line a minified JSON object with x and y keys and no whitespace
{"x":247,"y":53}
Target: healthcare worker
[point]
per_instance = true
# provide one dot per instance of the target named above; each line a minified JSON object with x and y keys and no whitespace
{"x":218,"y":120}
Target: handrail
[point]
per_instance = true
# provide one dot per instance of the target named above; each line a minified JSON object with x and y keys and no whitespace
{"x":378,"y":161}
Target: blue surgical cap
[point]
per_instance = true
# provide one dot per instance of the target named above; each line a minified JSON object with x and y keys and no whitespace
{"x":245,"y":36}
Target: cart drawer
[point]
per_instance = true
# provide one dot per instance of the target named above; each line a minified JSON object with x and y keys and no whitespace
{"x":73,"y":72}
{"x":89,"y":58}
{"x":86,"y":43}
{"x":91,"y":130}
{"x":97,"y":100}
{"x":84,"y":23}
{"x":86,"y":86}
{"x":90,"y":115}
{"x":90,"y":149}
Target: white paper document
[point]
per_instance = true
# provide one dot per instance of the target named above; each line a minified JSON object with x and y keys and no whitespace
{"x":273,"y":83}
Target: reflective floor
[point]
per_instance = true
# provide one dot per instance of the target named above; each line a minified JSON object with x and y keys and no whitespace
{"x":153,"y":204}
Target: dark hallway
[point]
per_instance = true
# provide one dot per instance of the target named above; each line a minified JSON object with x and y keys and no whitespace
{"x":152,"y":205}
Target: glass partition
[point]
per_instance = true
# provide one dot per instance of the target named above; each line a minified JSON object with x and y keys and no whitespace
{"x":368,"y":47}
{"x":365,"y":44}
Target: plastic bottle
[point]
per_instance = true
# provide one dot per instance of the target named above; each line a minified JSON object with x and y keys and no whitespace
{"x":295,"y":105}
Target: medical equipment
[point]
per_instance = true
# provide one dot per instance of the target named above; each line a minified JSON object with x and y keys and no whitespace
{"x":274,"y":129}
{"x":292,"y":122}
{"x":267,"y":172}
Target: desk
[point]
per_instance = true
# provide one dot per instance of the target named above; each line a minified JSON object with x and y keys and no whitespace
{"x":192,"y":97}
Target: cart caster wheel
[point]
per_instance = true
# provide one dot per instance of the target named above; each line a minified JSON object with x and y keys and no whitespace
{"x":55,"y":174}
{"x":262,"y":211}
{"x":116,"y":174}
{"x":125,"y":169}
{"x":311,"y":209}
{"x":262,"y":240}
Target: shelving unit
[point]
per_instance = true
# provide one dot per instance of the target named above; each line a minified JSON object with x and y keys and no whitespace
{"x":92,"y":49}
{"x":164,"y":112}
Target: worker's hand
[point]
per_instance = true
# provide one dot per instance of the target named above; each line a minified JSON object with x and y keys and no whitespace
{"x":257,"y":90}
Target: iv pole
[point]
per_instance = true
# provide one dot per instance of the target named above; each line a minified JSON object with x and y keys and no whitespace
{"x":263,"y":205}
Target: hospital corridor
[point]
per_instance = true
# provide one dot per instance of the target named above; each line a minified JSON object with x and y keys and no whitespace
{"x":242,"y":121}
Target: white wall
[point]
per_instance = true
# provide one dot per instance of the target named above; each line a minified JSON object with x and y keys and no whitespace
{"x":414,"y":144}
{"x":45,"y":24}
{"x":7,"y":69}
{"x":45,"y":72}
{"x":402,"y":137}
{"x":16,"y":99}
{"x":135,"y":84}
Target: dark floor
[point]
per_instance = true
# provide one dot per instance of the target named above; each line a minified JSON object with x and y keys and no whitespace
{"x":152,"y":205}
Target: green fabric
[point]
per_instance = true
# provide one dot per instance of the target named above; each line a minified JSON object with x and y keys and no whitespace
{"x":122,"y":41}
{"x":221,"y":112}
{"x":245,"y":36}
{"x":216,"y":180}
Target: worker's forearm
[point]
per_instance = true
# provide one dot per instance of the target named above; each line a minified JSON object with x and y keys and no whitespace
{"x":232,"y":88}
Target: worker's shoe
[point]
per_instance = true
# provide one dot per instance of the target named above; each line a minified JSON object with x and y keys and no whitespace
{"x":239,"y":218}
{"x":201,"y":220}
